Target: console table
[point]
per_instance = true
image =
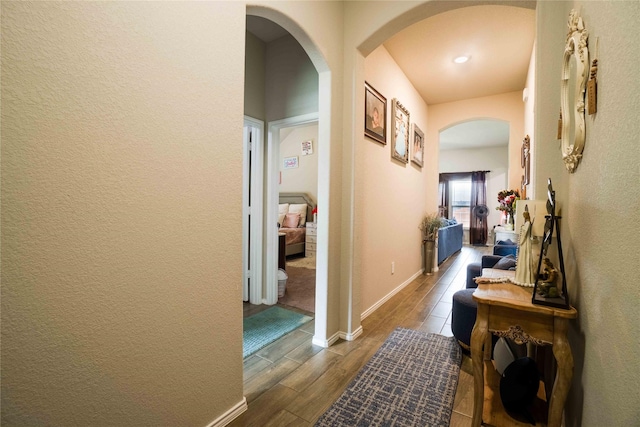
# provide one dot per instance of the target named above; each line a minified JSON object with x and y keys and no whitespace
{"x":506,"y":310}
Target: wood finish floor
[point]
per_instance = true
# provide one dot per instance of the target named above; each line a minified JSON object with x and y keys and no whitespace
{"x":292,"y":382}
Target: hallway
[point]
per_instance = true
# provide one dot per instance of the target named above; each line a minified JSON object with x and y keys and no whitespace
{"x":292,"y":382}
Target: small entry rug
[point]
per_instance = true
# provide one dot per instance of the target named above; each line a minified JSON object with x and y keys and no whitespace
{"x":263,"y":328}
{"x":410,"y":381}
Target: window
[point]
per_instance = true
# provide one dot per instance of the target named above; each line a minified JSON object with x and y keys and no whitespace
{"x":460,"y":201}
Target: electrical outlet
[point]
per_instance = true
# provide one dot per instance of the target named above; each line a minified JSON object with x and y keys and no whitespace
{"x":393,"y":267}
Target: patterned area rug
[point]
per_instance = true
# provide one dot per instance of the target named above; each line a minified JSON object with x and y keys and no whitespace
{"x":410,"y":381}
{"x":263,"y":328}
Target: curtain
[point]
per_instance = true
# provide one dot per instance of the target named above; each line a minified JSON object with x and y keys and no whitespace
{"x":478,"y":226}
{"x":443,"y":209}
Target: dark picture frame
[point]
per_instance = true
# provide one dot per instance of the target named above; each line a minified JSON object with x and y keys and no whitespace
{"x":417,"y":144}
{"x":375,"y":114}
{"x":525,"y":159}
{"x":399,"y":132}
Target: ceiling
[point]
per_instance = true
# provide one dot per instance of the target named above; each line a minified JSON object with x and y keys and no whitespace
{"x":499,"y":41}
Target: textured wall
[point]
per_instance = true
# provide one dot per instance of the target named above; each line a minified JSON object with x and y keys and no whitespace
{"x":601,"y":203}
{"x":254,"y":76}
{"x":291,"y":80}
{"x":121,"y":256}
{"x":506,"y":106}
{"x":304,"y":178}
{"x":392,"y":196}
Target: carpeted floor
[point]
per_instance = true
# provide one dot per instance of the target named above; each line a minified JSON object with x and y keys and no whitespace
{"x":263,"y":328}
{"x":301,"y":288}
{"x":302,"y":261}
{"x":410,"y":381}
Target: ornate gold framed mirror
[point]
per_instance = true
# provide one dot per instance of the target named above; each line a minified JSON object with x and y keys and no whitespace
{"x":575,"y":68}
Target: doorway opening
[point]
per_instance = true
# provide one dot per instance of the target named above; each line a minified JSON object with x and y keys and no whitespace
{"x":273,"y":36}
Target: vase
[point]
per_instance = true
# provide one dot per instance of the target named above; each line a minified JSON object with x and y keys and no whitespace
{"x":510,"y":221}
{"x":429,"y":256}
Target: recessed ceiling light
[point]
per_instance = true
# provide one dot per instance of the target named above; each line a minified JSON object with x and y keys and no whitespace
{"x":461,"y":59}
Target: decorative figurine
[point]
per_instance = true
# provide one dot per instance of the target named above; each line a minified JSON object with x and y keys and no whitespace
{"x":548,"y":277}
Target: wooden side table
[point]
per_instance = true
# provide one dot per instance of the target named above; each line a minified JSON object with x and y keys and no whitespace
{"x":506,"y":310}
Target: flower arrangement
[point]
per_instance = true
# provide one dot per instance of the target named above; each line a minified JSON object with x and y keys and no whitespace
{"x":430,"y":225}
{"x":314,"y":212}
{"x":507,"y":202}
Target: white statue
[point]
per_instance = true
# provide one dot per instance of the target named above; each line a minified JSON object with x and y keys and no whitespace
{"x":524,"y":267}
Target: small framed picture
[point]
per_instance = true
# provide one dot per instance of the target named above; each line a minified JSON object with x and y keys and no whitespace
{"x":290,"y":162}
{"x":307,"y":147}
{"x":525,"y":158}
{"x":417,"y":152}
{"x":375,"y":114}
{"x":399,"y":132}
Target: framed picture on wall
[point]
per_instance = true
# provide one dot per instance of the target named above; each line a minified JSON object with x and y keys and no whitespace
{"x":375,"y":114}
{"x":525,"y":159}
{"x":290,"y":162}
{"x":417,"y":152}
{"x":399,"y":132}
{"x":307,"y":148}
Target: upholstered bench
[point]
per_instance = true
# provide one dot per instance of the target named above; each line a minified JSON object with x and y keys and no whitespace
{"x":463,"y":316}
{"x":465,"y":309}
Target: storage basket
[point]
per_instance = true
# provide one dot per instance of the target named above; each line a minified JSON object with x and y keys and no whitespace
{"x":282,"y":282}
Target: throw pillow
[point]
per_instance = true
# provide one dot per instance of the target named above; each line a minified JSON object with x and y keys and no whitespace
{"x":283,"y":209}
{"x":505,"y":242}
{"x":505,"y":263}
{"x":301,"y":209}
{"x":291,"y":220}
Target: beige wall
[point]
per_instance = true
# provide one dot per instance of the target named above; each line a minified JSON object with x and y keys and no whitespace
{"x":529,"y":98}
{"x":292,"y":81}
{"x":507,"y":106}
{"x":254,"y":77}
{"x":601,"y":205}
{"x":391,"y":196}
{"x":120,"y":289}
{"x":304,"y":178}
{"x":121,"y":260}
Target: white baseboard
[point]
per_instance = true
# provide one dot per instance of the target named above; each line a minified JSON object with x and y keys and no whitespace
{"x":230,"y":415}
{"x":387,"y":297}
{"x":326,"y":343}
{"x":352,"y":336}
{"x":355,"y":334}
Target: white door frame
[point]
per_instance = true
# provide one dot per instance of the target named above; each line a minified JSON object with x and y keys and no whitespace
{"x":252,"y":230}
{"x":273,"y":199}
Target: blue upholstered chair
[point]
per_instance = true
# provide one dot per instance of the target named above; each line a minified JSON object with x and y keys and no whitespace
{"x":465,"y":309}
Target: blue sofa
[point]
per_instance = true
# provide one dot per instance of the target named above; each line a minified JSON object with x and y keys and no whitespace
{"x":449,"y":241}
